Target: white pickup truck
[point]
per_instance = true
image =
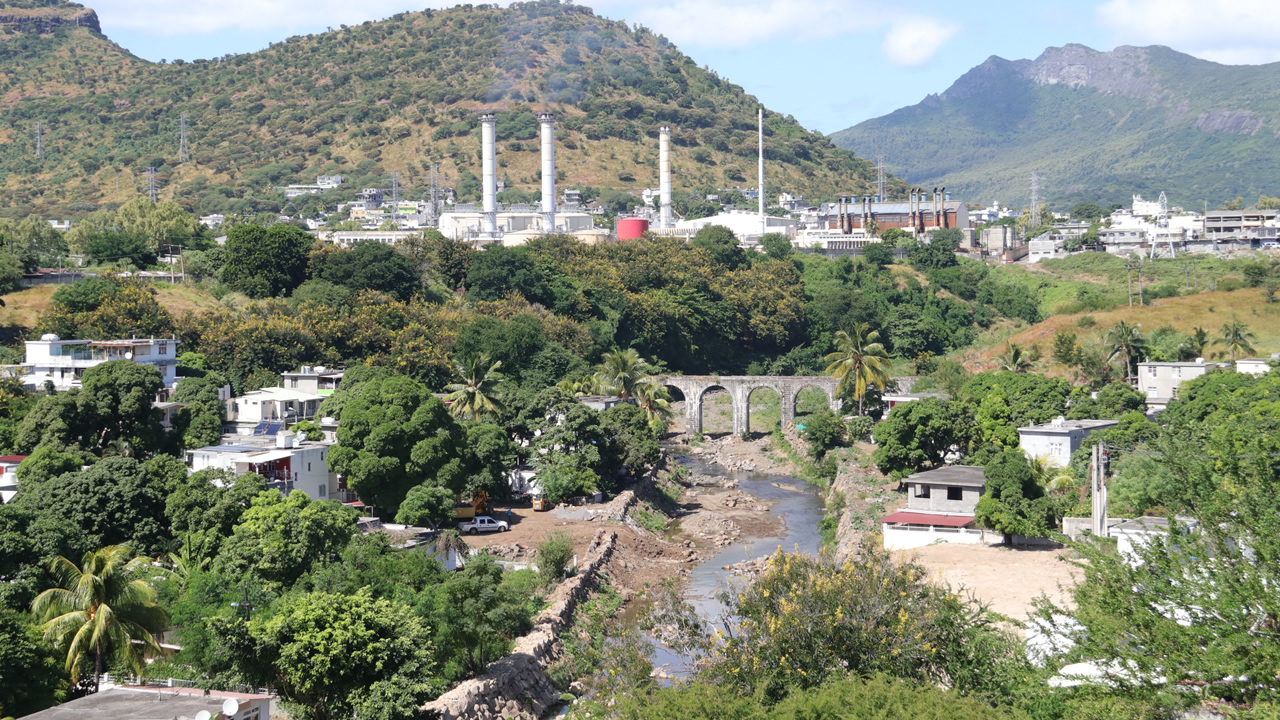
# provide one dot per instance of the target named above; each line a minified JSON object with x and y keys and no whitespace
{"x":484,"y":523}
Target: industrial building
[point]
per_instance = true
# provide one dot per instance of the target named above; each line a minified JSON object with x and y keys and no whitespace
{"x":919,"y":214}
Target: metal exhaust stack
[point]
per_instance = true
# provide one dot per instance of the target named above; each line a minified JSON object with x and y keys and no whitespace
{"x":548,"y":121}
{"x":489,"y":179}
{"x":664,"y":177}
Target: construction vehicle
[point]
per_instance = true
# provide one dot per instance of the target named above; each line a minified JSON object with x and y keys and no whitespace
{"x":541,"y":503}
{"x":478,"y":505}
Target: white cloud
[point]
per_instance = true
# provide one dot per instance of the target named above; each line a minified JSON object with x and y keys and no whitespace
{"x":914,"y":40}
{"x":1227,"y":31}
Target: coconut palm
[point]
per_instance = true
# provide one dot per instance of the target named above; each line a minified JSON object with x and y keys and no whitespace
{"x":652,"y":397}
{"x":1236,"y":339}
{"x":1014,"y":359}
{"x":1197,"y":345}
{"x":622,"y":371}
{"x":475,"y":394}
{"x":102,"y":612}
{"x":1126,"y":340}
{"x":589,"y":385}
{"x":860,"y":359}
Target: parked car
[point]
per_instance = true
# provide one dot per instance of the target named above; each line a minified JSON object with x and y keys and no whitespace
{"x":484,"y":523}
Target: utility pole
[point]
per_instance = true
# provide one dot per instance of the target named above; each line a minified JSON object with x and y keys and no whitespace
{"x":151,"y":183}
{"x":1141,"y":300}
{"x":184,"y":155}
{"x":1128,"y":265}
{"x":39,"y":141}
{"x":1035,"y":201}
{"x":435,"y":206}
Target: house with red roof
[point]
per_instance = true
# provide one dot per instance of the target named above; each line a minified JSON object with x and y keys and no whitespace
{"x":940,"y":508}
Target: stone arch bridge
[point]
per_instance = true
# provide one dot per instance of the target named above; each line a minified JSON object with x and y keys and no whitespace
{"x":740,"y":387}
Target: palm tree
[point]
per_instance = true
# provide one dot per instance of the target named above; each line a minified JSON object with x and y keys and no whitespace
{"x":1014,"y":359}
{"x":475,"y":394}
{"x":859,"y":358}
{"x":1125,"y":339}
{"x":622,"y":371}
{"x":101,"y":611}
{"x":653,"y":398}
{"x":1198,"y":344}
{"x":1236,"y":339}
{"x":589,"y":385}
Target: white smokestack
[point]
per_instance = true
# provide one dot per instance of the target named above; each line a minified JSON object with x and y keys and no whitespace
{"x":488,"y":159}
{"x":764,"y":223}
{"x":664,"y":177}
{"x":548,"y":121}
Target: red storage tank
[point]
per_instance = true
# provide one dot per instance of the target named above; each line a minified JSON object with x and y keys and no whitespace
{"x":632,"y":228}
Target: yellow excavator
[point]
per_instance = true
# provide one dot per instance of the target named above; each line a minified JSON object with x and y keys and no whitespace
{"x":478,"y":505}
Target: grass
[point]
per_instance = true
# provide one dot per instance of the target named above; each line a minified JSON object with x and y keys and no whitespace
{"x":23,"y":308}
{"x":650,"y":519}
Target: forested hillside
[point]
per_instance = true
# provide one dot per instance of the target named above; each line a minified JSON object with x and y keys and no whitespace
{"x":381,"y":97}
{"x":1094,"y":125}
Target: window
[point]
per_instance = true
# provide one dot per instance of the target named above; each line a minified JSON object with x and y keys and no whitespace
{"x":1055,"y":448}
{"x":293,"y":382}
{"x":955,"y":493}
{"x":1177,"y":373}
{"x":1151,"y":371}
{"x":322,"y":491}
{"x":1151,"y":391}
{"x":164,"y":349}
{"x":308,"y":467}
{"x":922,"y":490}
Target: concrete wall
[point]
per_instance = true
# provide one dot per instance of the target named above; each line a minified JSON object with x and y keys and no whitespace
{"x":517,"y":686}
{"x":938,"y":502}
{"x":1075,"y":528}
{"x":905,"y":537}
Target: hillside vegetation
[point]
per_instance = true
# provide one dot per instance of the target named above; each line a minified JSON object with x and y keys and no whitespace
{"x":1094,"y":126}
{"x":364,"y":101}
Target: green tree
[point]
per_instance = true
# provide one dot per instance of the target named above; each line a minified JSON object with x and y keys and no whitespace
{"x":31,"y":677}
{"x":932,"y":256}
{"x":1236,"y":338}
{"x":102,"y":612}
{"x":369,"y":265}
{"x":777,"y":246}
{"x":265,"y":262}
{"x":994,"y":421}
{"x":201,"y":420}
{"x":622,"y":372}
{"x":1013,"y":502}
{"x":11,"y":272}
{"x":918,"y":435}
{"x":1066,"y":348}
{"x":433,"y":254}
{"x":1125,"y":340}
{"x":825,"y":432}
{"x":474,"y":394}
{"x":109,"y":248}
{"x":497,"y":270}
{"x":879,"y":254}
{"x":1087,"y":211}
{"x":859,"y":362}
{"x":326,"y":654}
{"x":655,"y":400}
{"x":426,"y":505}
{"x":634,"y":437}
{"x":897,"y":238}
{"x":199,"y":507}
{"x":554,"y":554}
{"x":394,"y":436}
{"x":722,"y":244}
{"x":279,"y":539}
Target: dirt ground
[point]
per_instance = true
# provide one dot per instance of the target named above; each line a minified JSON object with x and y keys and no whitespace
{"x":1005,"y":578}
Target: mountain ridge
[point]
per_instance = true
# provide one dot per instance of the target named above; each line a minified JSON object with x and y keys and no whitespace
{"x":1095,"y":125}
{"x":395,"y":95}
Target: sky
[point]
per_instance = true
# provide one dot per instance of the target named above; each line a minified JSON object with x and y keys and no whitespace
{"x":829,"y":63}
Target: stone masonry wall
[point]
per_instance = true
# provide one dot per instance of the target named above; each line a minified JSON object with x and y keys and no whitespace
{"x":517,"y":686}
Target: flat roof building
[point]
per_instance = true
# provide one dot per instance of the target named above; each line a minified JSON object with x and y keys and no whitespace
{"x":1056,"y":440}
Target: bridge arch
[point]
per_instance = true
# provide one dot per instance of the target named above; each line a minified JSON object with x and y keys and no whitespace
{"x":740,"y":387}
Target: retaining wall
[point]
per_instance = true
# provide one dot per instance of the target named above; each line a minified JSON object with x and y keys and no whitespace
{"x":517,"y":685}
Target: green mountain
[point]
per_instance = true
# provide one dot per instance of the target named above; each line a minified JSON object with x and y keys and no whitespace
{"x":1093,"y":125}
{"x":365,"y":101}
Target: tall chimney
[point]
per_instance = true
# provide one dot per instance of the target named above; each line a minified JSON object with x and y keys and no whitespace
{"x":489,"y":173}
{"x":840,"y":211}
{"x":664,"y":177}
{"x":937,"y":208}
{"x":945,"y":197}
{"x":548,"y":121}
{"x":764,"y":223}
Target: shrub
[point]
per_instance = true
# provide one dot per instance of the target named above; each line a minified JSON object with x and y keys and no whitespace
{"x":1087,"y":321}
{"x":554,"y":555}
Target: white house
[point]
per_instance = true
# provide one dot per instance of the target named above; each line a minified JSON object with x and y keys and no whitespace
{"x":63,"y":362}
{"x":1159,"y":381}
{"x":9,"y":476}
{"x":1056,"y":440}
{"x":940,"y":507}
{"x":254,"y":412}
{"x":894,"y":399}
{"x":744,"y":224}
{"x":286,"y":460}
{"x":1255,"y":366}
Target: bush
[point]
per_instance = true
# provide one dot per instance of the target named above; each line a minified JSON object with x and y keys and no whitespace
{"x":824,"y":431}
{"x":1086,"y":321}
{"x":554,"y":555}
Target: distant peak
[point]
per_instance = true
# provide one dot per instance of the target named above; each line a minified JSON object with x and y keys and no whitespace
{"x":35,"y":16}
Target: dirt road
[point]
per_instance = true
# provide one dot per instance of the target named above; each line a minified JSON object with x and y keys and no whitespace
{"x":1005,"y":578}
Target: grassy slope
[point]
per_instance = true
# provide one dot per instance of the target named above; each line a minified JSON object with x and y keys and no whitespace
{"x":388,"y":96}
{"x":24,"y":308}
{"x":1209,"y":310}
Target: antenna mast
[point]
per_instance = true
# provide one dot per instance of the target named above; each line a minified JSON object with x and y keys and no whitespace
{"x":151,"y":183}
{"x":395,"y":191}
{"x":39,"y":141}
{"x":184,"y":155}
{"x":880,"y":178}
{"x":1035,"y":201}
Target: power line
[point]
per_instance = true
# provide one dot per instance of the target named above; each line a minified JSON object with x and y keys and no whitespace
{"x":1035,"y":201}
{"x":151,"y":183}
{"x":880,"y":181}
{"x":184,"y":154}
{"x":39,"y":141}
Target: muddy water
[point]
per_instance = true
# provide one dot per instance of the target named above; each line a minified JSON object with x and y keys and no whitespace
{"x":799,"y":506}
